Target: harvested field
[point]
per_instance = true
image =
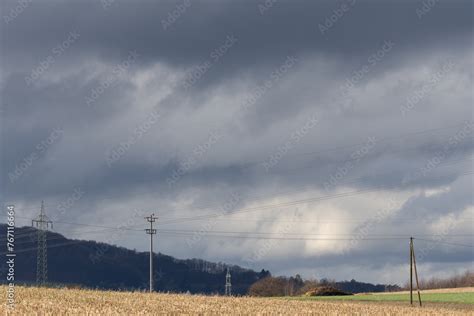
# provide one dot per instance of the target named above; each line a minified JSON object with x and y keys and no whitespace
{"x":45,"y":301}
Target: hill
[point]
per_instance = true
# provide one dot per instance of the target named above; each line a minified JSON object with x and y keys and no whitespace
{"x":98,"y":265}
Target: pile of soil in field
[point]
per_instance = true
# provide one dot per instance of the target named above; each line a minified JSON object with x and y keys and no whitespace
{"x":326,"y":291}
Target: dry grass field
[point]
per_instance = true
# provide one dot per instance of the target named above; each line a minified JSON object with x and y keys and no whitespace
{"x":45,"y":301}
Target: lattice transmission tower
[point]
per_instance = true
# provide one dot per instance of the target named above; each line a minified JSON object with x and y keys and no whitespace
{"x":228,"y":284}
{"x":42,"y":223}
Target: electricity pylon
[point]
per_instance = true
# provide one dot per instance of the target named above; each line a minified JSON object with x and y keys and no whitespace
{"x":42,"y":224}
{"x":228,"y":284}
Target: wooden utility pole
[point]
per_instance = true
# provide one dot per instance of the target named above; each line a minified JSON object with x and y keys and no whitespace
{"x":413,"y":265}
{"x":411,"y":271}
{"x":416,"y":273}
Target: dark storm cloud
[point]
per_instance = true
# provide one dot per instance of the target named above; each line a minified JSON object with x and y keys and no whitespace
{"x":136,"y":89}
{"x":285,"y":28}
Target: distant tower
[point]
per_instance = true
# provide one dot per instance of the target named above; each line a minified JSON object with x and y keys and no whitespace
{"x":42,"y":223}
{"x":228,"y":284}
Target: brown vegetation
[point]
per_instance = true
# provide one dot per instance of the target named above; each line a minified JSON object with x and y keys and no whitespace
{"x":326,"y":291}
{"x":269,"y":286}
{"x":283,"y":286}
{"x":464,"y":280}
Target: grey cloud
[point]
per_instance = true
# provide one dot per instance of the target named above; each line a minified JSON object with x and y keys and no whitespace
{"x":316,"y":85}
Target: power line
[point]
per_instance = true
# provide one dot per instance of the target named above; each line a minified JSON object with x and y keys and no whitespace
{"x":445,"y":242}
{"x":108,"y":230}
{"x":59,"y":236}
{"x":381,"y":140}
{"x":369,"y":189}
{"x":249,"y":234}
{"x":216,"y":235}
{"x":312,"y":239}
{"x":290,"y":203}
{"x":296,"y":189}
{"x":49,"y":246}
{"x":92,"y":225}
{"x":282,"y":238}
{"x":130,"y":229}
{"x":245,"y":210}
{"x":301,"y":234}
{"x":321,"y":221}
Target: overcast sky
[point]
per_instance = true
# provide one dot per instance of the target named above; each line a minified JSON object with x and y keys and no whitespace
{"x":349,"y":120}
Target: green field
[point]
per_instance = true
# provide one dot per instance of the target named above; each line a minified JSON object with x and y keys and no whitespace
{"x":465,"y":298}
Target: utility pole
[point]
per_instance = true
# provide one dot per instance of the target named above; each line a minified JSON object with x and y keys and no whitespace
{"x":151,"y":231}
{"x":413,"y":265}
{"x":42,"y":223}
{"x":416,"y":273}
{"x":411,"y":271}
{"x":228,"y":284}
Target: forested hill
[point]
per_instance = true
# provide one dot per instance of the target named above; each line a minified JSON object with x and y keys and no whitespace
{"x":98,"y":265}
